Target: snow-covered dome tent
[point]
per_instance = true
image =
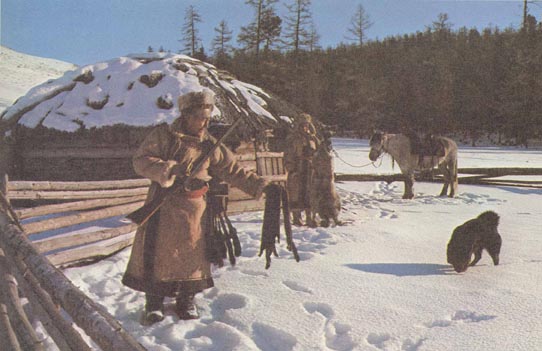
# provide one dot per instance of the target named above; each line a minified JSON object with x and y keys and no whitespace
{"x":86,"y":124}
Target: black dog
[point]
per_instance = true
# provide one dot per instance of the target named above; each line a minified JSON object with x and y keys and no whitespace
{"x":472,"y":237}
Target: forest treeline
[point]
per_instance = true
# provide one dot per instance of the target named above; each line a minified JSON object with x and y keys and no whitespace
{"x":440,"y":81}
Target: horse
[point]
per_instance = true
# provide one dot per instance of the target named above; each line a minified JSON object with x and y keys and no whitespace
{"x":400,"y":148}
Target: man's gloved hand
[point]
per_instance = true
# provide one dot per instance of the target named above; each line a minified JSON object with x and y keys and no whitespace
{"x":178,"y":170}
{"x":263,"y":189}
{"x":194,"y":184}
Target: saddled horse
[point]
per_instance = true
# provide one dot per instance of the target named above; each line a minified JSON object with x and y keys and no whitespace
{"x":399,"y":147}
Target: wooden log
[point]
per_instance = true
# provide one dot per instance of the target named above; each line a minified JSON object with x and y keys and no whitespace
{"x":4,"y":185}
{"x":9,"y":338}
{"x":245,"y":157}
{"x":19,"y":185}
{"x":60,"y":329}
{"x":276,"y":178}
{"x":74,"y":195}
{"x":340,"y":177}
{"x":245,"y":206}
{"x":269,"y":154}
{"x":74,"y":206}
{"x":236,"y":194}
{"x":26,"y":335}
{"x":79,"y":153}
{"x":74,"y":239}
{"x":80,"y":217}
{"x":502,"y":171}
{"x":513,"y":184}
{"x":91,"y":252}
{"x":99,"y":325}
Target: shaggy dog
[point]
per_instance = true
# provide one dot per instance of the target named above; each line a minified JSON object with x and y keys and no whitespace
{"x":472,"y":237}
{"x":324,"y":199}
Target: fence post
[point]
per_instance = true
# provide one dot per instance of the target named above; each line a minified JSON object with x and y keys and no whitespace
{"x":4,"y":185}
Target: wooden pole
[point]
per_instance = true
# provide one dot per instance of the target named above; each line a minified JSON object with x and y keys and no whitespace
{"x":81,"y":217}
{"x":93,"y":319}
{"x":9,"y":338}
{"x":84,"y":185}
{"x":75,"y":206}
{"x":60,"y":329}
{"x":72,"y":195}
{"x":75,"y":239}
{"x":10,"y":296}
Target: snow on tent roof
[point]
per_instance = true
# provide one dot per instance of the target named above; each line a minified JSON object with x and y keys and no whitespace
{"x":137,"y":90}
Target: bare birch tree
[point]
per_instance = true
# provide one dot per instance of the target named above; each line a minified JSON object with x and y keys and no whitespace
{"x":359,"y":23}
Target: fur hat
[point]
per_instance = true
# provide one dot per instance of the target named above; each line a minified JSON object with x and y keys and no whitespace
{"x":302,"y":119}
{"x":196,"y":98}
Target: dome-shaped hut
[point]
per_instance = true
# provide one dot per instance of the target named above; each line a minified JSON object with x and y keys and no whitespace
{"x":87,"y":124}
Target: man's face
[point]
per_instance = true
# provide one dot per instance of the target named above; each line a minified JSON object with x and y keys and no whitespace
{"x":198,"y":120}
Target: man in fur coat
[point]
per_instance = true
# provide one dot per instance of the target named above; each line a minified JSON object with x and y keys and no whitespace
{"x":301,"y":145}
{"x":168,"y":257}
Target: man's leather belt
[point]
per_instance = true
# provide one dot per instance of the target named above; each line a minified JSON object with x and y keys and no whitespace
{"x":193,"y":194}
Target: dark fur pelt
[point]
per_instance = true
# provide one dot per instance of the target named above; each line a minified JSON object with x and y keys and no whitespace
{"x":472,"y":237}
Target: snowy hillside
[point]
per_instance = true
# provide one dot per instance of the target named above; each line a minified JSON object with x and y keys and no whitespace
{"x":19,"y":72}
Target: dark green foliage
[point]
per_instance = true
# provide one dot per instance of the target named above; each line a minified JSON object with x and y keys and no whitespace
{"x":439,"y":80}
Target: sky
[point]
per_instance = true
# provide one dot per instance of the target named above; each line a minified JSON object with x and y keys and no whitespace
{"x":89,"y":31}
{"x":379,"y":283}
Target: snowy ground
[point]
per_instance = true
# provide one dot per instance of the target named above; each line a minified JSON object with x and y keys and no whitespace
{"x":379,"y":283}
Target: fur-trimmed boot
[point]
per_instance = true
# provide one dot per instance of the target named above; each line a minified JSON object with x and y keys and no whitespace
{"x":154,"y":310}
{"x":186,"y":308}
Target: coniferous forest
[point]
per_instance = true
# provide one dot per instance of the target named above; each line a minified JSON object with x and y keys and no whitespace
{"x":442,"y":81}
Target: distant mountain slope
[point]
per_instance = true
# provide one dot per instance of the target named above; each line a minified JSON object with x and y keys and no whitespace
{"x":20,"y":72}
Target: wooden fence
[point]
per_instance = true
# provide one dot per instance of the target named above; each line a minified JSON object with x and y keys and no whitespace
{"x":475,"y":176}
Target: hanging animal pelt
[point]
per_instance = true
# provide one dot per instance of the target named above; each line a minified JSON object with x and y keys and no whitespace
{"x":222,"y":240}
{"x":276,"y":198}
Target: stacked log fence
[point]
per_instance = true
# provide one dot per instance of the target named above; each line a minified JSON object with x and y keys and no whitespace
{"x":507,"y":176}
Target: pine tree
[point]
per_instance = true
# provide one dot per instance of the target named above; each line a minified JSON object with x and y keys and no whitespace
{"x":271,"y":27}
{"x":313,"y":39}
{"x":191,"y":40}
{"x":359,"y":23}
{"x":297,"y":36}
{"x":263,"y":29}
{"x":221,"y":43}
{"x":150,"y":49}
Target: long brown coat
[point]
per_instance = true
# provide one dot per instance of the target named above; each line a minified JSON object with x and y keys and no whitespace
{"x":298,"y":162}
{"x":177,"y":261}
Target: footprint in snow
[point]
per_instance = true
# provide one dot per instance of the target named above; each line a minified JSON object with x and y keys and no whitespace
{"x":337,"y":335}
{"x":204,"y":336}
{"x":412,"y":345}
{"x":224,"y":303}
{"x":379,"y":340}
{"x":296,"y":286}
{"x":254,"y":273}
{"x":269,"y":338}
{"x":323,"y":308}
{"x":458,"y":317}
